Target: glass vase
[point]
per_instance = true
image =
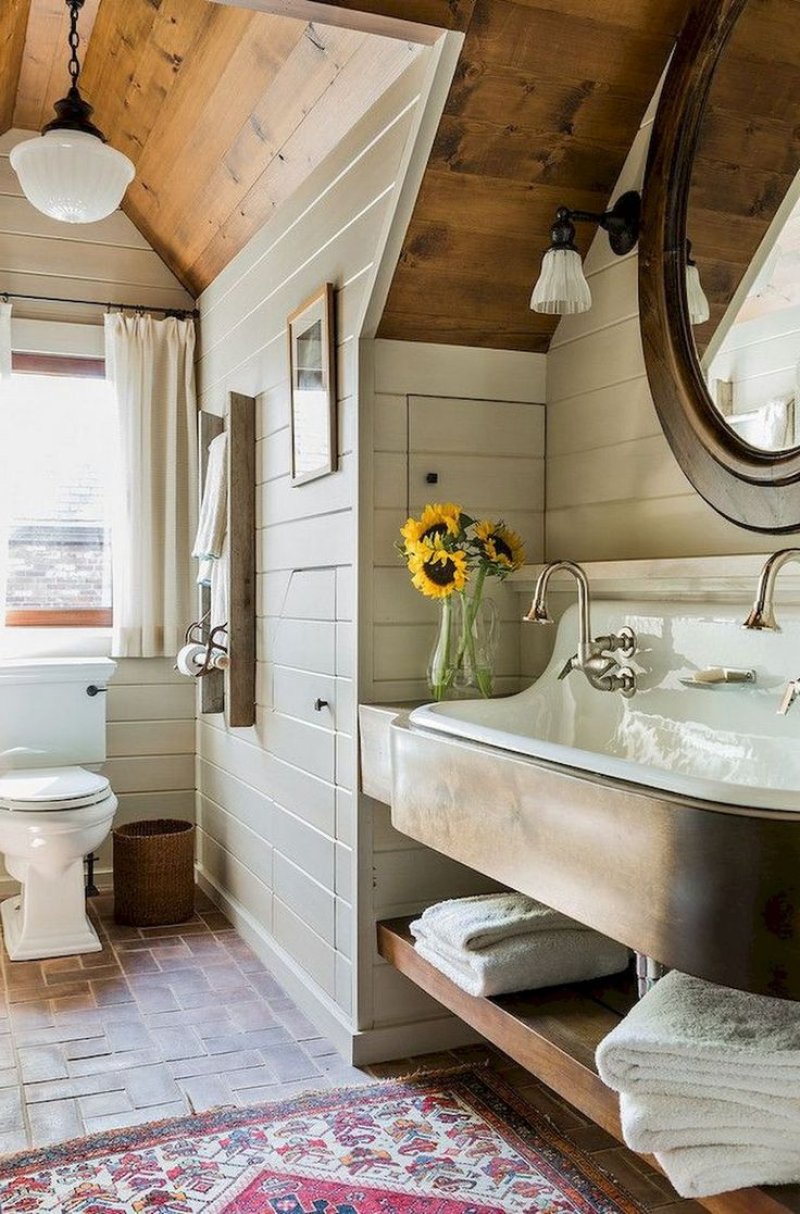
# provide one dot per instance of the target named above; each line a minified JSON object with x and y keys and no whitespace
{"x":461,"y":664}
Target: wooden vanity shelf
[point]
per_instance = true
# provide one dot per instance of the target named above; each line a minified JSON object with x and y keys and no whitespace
{"x":553,"y":1033}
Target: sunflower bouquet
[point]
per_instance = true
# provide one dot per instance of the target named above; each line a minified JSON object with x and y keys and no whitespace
{"x":449,"y":556}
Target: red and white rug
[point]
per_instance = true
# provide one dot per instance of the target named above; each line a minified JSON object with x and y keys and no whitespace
{"x":462,"y":1143}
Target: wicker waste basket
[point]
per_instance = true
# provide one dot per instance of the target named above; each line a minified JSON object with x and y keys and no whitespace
{"x":154,"y":872}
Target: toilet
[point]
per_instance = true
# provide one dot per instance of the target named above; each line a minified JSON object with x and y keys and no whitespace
{"x":54,"y":808}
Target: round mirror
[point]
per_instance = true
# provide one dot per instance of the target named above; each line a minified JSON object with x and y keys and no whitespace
{"x":720,"y":258}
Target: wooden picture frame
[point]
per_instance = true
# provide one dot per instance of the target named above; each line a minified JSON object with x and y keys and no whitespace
{"x":312,"y":387}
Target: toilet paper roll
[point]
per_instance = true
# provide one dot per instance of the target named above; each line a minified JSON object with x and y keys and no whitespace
{"x":190,"y":660}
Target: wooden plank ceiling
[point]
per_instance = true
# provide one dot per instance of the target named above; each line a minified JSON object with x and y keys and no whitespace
{"x":547,"y":98}
{"x":225,"y":109}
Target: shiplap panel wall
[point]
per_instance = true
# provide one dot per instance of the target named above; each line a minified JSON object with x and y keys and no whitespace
{"x":433,"y":414}
{"x":151,"y":714}
{"x":476,"y":419}
{"x":614,"y":488}
{"x":276,"y":802}
{"x":760,"y":358}
{"x":109,"y":260}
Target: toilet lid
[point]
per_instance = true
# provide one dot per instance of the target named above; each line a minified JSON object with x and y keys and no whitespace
{"x":51,"y":788}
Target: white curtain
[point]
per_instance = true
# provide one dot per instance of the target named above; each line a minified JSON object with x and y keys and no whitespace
{"x":151,"y":365}
{"x":5,"y":376}
{"x":5,"y":341}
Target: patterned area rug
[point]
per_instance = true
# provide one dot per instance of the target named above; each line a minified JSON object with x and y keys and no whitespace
{"x":459,"y":1143}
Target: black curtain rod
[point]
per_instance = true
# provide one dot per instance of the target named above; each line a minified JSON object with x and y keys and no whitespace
{"x":178,"y":313}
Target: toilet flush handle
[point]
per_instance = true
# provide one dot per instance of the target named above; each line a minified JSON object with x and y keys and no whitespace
{"x":94,"y":690}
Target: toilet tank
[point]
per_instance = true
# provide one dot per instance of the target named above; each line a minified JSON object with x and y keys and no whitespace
{"x":49,"y":714}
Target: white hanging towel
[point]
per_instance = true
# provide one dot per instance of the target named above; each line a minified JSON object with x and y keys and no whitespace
{"x":213,"y":522}
{"x":219,"y":588}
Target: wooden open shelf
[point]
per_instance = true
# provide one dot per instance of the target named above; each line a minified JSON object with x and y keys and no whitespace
{"x":553,"y":1033}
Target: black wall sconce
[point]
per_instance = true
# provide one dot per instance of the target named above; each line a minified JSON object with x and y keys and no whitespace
{"x":562,"y":289}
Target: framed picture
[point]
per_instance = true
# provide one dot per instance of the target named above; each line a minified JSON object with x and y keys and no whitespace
{"x":312,"y":373}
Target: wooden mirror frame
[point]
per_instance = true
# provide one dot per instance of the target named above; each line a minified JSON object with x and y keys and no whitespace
{"x":759,"y":490}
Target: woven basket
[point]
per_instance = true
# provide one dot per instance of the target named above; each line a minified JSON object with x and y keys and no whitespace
{"x":154,"y":873}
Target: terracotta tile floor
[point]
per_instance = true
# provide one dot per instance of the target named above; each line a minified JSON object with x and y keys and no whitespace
{"x":168,"y":1021}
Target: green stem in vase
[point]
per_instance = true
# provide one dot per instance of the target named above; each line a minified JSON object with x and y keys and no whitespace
{"x":441,"y":675}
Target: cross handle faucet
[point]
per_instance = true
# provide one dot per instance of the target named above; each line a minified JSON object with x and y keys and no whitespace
{"x":593,"y":655}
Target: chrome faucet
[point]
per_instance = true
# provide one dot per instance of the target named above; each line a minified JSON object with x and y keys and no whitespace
{"x":762,"y":614}
{"x":593,"y":658}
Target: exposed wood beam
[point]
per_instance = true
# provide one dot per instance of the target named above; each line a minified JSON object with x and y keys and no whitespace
{"x":13,"y":25}
{"x":413,"y":20}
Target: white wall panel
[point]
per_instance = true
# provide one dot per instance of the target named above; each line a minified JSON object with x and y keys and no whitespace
{"x":299,"y":760}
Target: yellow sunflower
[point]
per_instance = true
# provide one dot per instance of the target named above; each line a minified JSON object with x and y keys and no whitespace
{"x":500,"y":544}
{"x":437,"y":519}
{"x":436,"y":572}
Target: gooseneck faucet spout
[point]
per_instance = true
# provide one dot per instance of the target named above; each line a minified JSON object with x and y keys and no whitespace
{"x":593,"y":658}
{"x":539,"y":614}
{"x":762,"y":613}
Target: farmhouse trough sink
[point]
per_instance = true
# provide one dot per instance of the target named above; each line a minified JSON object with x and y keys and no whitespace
{"x":669,"y":820}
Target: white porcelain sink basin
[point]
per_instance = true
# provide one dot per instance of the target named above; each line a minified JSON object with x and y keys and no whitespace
{"x":724,"y":744}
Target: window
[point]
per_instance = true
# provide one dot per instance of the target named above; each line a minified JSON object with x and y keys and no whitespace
{"x":57,"y":457}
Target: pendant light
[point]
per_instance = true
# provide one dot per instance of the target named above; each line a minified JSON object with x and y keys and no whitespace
{"x":69,"y":172}
{"x":562,"y":289}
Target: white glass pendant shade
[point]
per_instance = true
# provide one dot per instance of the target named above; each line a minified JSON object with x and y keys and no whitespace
{"x":562,"y":289}
{"x":72,"y":175}
{"x":695,"y":296}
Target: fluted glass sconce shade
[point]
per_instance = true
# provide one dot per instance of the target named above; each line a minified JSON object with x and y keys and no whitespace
{"x":71,"y":175}
{"x":561,"y":289}
{"x":699,"y":311}
{"x":69,"y":172}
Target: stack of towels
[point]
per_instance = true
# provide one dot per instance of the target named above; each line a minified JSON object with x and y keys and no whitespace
{"x":495,"y":943}
{"x":709,"y":1081}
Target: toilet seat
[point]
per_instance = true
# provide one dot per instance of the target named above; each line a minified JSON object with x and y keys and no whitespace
{"x":47,"y":789}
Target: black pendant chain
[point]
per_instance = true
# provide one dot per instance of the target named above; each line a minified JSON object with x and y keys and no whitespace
{"x":72,"y":112}
{"x":74,"y":40}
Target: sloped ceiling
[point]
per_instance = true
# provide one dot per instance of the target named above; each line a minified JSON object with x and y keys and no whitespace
{"x":547,"y":99}
{"x":225,"y":110}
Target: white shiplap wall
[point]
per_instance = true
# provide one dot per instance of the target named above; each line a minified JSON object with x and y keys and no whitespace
{"x":614,"y":488}
{"x":760,"y":358}
{"x":151,"y":711}
{"x":276,"y":802}
{"x":477,"y":419}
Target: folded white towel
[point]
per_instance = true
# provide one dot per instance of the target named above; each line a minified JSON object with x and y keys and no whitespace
{"x":690,"y":1038}
{"x":525,"y":963}
{"x":213,"y":508}
{"x":705,"y":1171}
{"x":664,"y":1123}
{"x":486,"y":918}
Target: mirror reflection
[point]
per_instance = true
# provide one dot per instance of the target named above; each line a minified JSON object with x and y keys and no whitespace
{"x":743,"y":229}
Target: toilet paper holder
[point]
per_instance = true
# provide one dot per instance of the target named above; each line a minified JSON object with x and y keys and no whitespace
{"x":216,"y":655}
